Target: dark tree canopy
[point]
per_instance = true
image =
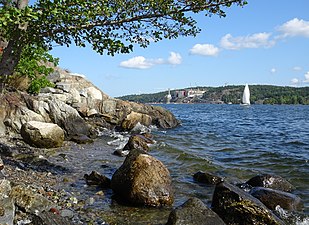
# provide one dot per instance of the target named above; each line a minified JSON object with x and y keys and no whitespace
{"x":109,"y":26}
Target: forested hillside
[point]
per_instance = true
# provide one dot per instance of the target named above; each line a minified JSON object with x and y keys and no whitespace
{"x":260,"y":94}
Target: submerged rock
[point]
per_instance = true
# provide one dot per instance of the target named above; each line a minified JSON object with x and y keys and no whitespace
{"x":272,"y":198}
{"x":94,"y":178}
{"x":194,"y":212}
{"x":207,"y":178}
{"x":143,"y":180}
{"x":235,"y":206}
{"x":42,"y":135}
{"x":271,"y":181}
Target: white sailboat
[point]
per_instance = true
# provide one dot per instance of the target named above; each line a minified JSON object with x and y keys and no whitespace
{"x":246,"y":96}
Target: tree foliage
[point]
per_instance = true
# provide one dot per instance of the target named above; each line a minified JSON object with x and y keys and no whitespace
{"x":260,"y":94}
{"x":109,"y":26}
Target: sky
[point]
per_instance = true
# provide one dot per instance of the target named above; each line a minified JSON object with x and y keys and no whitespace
{"x":265,"y":42}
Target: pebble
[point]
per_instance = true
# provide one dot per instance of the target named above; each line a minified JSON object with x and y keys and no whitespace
{"x":67,"y":213}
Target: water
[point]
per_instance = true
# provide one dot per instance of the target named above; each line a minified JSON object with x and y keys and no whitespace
{"x":229,"y":140}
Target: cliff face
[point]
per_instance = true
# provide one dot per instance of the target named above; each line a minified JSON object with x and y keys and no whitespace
{"x":78,"y":107}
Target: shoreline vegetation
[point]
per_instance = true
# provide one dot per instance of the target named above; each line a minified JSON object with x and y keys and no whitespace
{"x":231,"y":94}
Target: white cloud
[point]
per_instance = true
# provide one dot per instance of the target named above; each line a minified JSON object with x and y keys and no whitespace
{"x":295,"y":81}
{"x":295,"y":27}
{"x":174,"y":58}
{"x":297,"y":68}
{"x":306,"y":77}
{"x":273,"y":70}
{"x":250,"y":41}
{"x":140,"y":62}
{"x":205,"y":50}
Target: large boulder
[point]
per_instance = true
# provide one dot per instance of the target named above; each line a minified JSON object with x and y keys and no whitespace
{"x":42,"y":135}
{"x":272,"y":198}
{"x":194,"y":212}
{"x":271,"y":181}
{"x":236,"y":206}
{"x":143,"y":180}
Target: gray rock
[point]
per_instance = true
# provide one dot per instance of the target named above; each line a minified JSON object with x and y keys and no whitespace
{"x":143,"y":180}
{"x":207,"y":178}
{"x":271,"y":181}
{"x":49,"y":218}
{"x":271,"y":198}
{"x":133,"y":118}
{"x":235,"y":206}
{"x":29,"y":201}
{"x":42,"y":135}
{"x":7,"y":211}
{"x":194,"y":212}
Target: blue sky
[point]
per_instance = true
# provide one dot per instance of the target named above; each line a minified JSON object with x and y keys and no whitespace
{"x":265,"y":42}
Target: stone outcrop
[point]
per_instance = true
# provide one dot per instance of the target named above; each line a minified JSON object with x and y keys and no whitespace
{"x":42,"y":135}
{"x":78,"y":107}
{"x":236,"y":206}
{"x":143,"y":180}
{"x":194,"y":212}
{"x":271,"y":181}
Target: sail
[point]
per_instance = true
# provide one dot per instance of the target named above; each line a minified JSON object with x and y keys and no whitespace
{"x":246,"y":96}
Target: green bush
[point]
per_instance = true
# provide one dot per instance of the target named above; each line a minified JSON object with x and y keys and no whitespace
{"x":36,"y":63}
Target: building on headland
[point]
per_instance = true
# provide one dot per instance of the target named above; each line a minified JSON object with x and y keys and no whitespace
{"x":193,"y":93}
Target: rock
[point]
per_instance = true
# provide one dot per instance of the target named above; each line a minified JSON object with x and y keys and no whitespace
{"x":2,"y":117}
{"x":271,"y":181}
{"x":207,"y":178}
{"x":29,"y":201}
{"x":67,"y":118}
{"x":7,"y":211}
{"x":121,"y":153}
{"x":271,"y":198}
{"x":235,"y":206}
{"x":7,"y":207}
{"x":138,"y":141}
{"x":94,"y":93}
{"x":5,"y":188}
{"x":49,"y":218}
{"x":133,"y":118}
{"x":81,"y":139}
{"x":143,"y":180}
{"x":161,"y":117}
{"x":42,"y":135}
{"x":94,"y":178}
{"x":194,"y":212}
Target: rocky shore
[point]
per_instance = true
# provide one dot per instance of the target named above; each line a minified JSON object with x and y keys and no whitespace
{"x":75,"y":112}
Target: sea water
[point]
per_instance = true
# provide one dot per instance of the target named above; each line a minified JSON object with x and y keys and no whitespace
{"x":231,"y":141}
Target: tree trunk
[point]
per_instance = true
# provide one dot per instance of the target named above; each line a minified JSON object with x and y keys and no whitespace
{"x":12,"y":52}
